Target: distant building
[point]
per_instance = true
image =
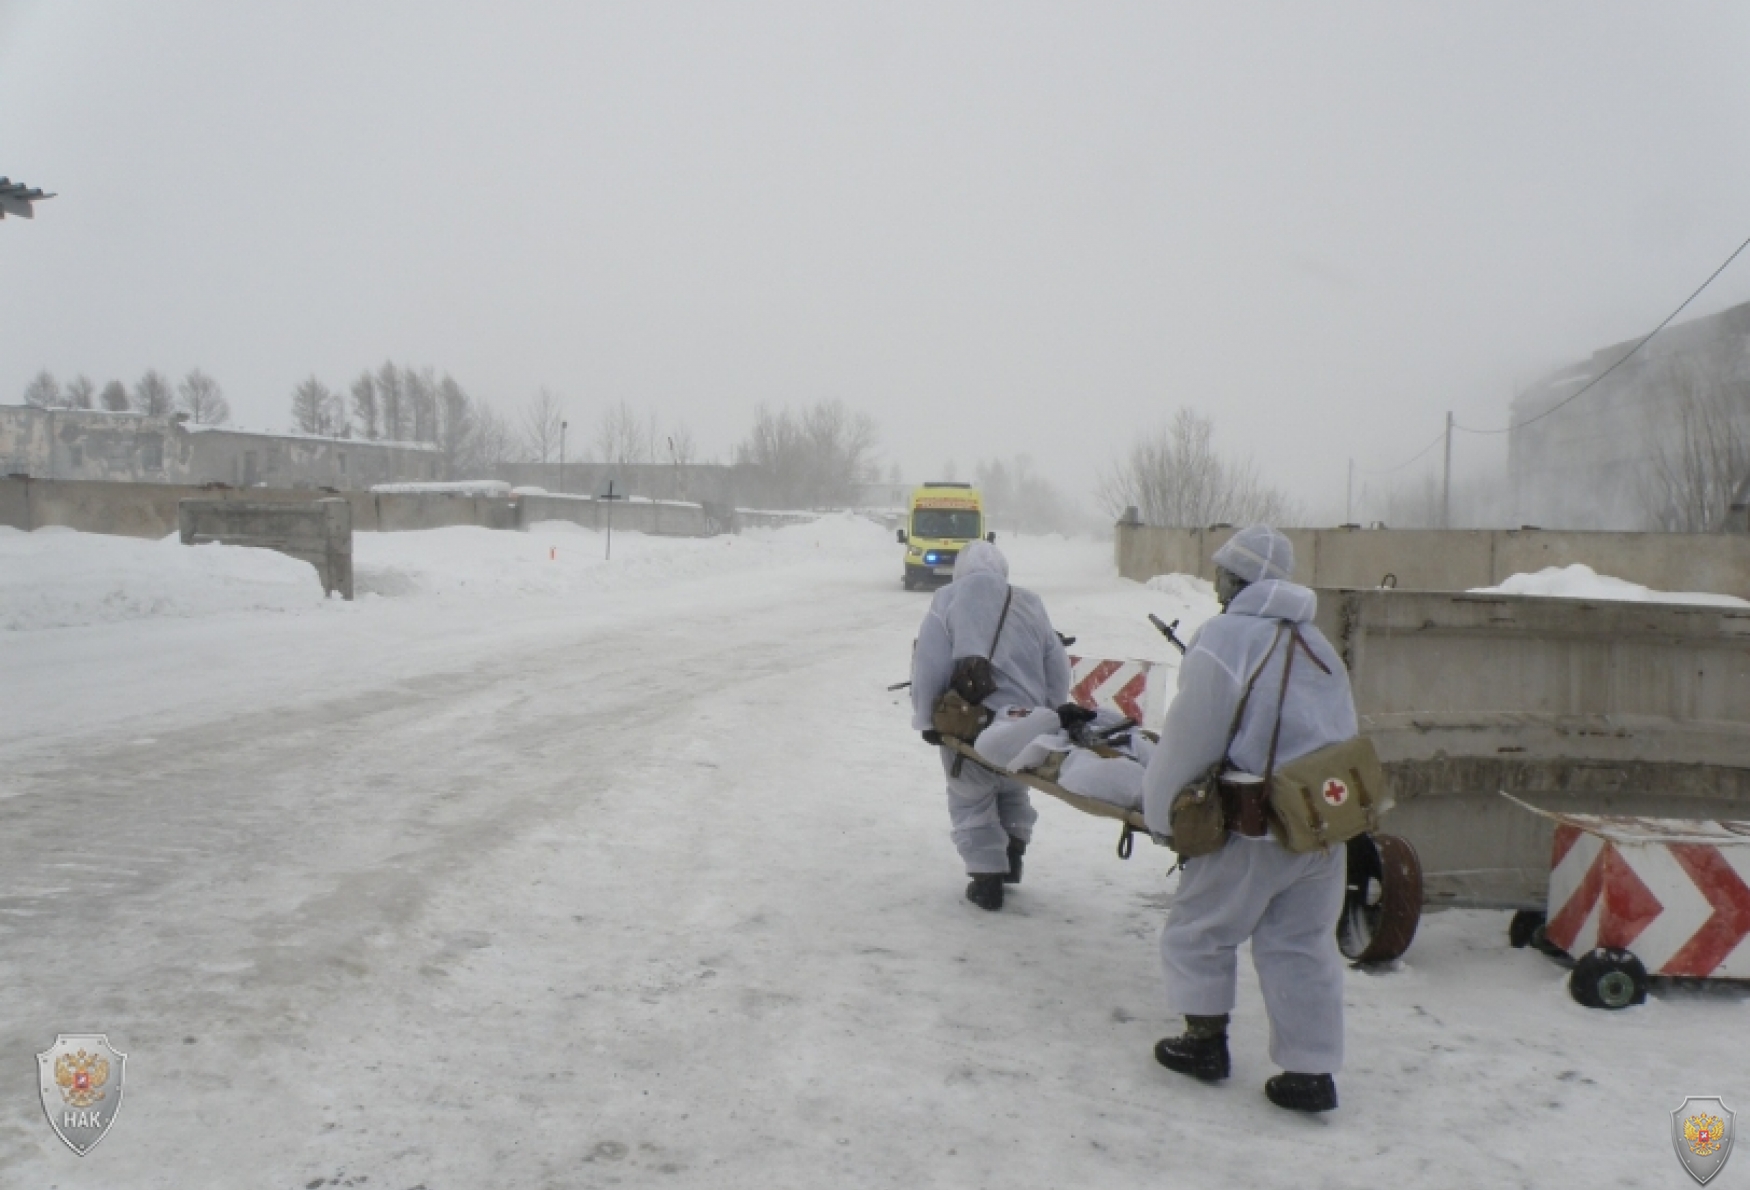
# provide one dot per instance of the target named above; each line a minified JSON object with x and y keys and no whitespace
{"x":133,"y":448}
{"x":1596,"y":464}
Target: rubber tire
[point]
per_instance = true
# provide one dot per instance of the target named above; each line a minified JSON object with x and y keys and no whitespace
{"x":1383,"y":903}
{"x":1522,"y":930}
{"x":1608,"y":979}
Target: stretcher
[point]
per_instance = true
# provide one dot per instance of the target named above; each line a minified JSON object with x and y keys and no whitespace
{"x":1382,"y":905}
{"x":1132,"y":820}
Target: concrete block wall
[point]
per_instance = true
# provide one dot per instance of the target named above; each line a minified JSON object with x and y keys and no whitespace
{"x":402,"y":511}
{"x":318,"y":532}
{"x":138,"y":509}
{"x":658,"y":518}
{"x":1458,"y":560}
{"x":150,"y":509}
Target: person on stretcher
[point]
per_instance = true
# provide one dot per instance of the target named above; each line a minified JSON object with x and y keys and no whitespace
{"x":1074,"y":740}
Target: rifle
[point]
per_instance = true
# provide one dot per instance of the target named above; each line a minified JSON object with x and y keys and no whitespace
{"x":1166,"y":630}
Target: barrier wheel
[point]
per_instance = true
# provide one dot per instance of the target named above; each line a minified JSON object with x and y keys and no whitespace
{"x":1522,"y":930}
{"x":1382,"y":904}
{"x":1607,"y":978}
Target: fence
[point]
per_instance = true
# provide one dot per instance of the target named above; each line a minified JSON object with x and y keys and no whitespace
{"x":1458,"y":560}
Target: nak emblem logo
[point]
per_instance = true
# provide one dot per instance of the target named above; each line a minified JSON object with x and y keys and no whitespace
{"x":81,"y":1077}
{"x":1701,"y":1131}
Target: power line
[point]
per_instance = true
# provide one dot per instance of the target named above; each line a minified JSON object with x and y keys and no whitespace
{"x":1572,"y":397}
{"x":1438,"y":439}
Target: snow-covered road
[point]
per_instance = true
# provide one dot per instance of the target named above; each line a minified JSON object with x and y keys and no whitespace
{"x":637,"y":876}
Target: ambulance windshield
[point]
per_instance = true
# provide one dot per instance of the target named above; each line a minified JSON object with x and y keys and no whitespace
{"x":945,"y":523}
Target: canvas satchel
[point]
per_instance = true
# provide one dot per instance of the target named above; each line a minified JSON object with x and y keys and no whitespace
{"x":1328,"y":796}
{"x":1196,"y":821}
{"x":960,"y":712}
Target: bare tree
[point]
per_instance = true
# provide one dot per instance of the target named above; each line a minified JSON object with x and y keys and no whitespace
{"x":1700,"y":440}
{"x":682,"y":451}
{"x":421,"y":398}
{"x":366,"y":411}
{"x":152,"y":394}
{"x":622,"y":438}
{"x":200,"y":396}
{"x":1019,"y":498}
{"x":540,"y":427}
{"x":492,"y":444}
{"x":43,"y":391}
{"x":391,"y":402}
{"x":457,"y":420}
{"x":317,"y":409}
{"x":81,"y":393}
{"x":114,"y":397}
{"x":812,"y":459}
{"x":1174,"y":477}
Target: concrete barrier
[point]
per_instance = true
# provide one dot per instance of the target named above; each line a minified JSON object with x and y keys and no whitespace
{"x":318,"y":532}
{"x":140,"y":509}
{"x":1574,"y":705}
{"x":660,"y":518}
{"x":405,"y":511}
{"x":1458,"y":560}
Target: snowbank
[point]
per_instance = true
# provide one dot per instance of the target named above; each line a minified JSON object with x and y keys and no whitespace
{"x":1185,"y":588}
{"x":57,"y":578}
{"x":1582,"y":582}
{"x":462,"y":487}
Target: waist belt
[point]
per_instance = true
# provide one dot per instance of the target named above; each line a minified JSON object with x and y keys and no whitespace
{"x":1243,"y":808}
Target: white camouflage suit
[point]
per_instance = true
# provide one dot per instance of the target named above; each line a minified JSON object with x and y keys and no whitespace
{"x":1286,"y":904}
{"x":1031,"y":670}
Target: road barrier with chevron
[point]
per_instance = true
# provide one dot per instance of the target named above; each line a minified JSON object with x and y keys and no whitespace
{"x":1673,"y":892}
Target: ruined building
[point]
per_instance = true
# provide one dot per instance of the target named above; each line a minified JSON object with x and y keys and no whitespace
{"x":1660,"y":443}
{"x":134,"y":448}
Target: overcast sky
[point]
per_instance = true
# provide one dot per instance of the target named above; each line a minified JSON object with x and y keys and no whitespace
{"x":1000,"y":228}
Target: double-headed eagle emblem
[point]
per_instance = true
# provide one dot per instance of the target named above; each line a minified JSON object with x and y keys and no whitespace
{"x":1702,"y":1134}
{"x":81,"y":1077}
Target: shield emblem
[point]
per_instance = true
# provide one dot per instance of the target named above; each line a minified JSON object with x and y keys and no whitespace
{"x":80,"y":1077}
{"x":1701,"y":1129}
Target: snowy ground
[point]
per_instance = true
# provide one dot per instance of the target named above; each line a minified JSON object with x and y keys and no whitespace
{"x":527,"y":870}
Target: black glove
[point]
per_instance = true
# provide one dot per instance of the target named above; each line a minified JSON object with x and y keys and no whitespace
{"x":1073,"y":715}
{"x":933,"y":737}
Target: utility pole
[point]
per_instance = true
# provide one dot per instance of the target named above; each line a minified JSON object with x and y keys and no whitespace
{"x":562,"y":426}
{"x":1349,"y":500}
{"x":1446,"y":479}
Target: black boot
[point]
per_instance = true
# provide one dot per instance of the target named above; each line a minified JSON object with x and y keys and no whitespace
{"x":1302,"y":1092}
{"x":986,"y":890}
{"x":1017,"y":848}
{"x":1201,"y":1051}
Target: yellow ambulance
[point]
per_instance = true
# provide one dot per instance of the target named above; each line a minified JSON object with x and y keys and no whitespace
{"x":940,"y":519}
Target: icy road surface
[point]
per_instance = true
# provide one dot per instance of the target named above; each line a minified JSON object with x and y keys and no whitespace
{"x":528,"y":871}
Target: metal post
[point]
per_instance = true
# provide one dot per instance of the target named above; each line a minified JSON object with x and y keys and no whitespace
{"x":1349,"y":500}
{"x":1446,"y":480}
{"x":562,"y":426}
{"x":610,"y":497}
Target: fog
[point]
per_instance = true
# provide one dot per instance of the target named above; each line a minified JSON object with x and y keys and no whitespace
{"x":999,"y":229}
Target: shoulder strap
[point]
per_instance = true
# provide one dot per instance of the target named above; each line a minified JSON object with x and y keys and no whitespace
{"x":1001,"y":620}
{"x":1240,"y":711}
{"x":1298,"y":644}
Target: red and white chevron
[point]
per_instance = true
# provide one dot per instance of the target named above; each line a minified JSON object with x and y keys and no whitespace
{"x":1675,"y":893}
{"x":1101,"y":683}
